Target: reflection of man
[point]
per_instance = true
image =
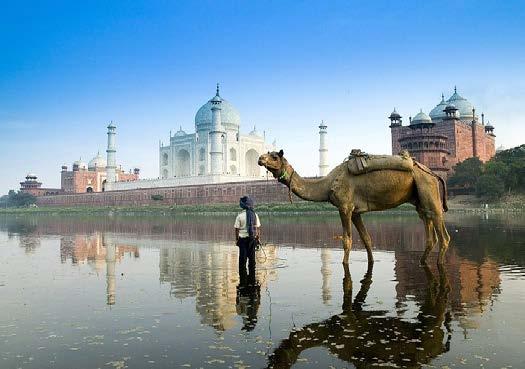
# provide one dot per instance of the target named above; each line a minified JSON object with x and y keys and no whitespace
{"x":247,"y":304}
{"x":247,"y":233}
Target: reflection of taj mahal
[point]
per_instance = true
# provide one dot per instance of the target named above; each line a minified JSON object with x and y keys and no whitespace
{"x":216,"y":148}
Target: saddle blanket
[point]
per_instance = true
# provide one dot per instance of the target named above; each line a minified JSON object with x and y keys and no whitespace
{"x":360,"y":163}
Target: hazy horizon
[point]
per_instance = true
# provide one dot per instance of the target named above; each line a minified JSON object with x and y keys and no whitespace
{"x":68,"y":70}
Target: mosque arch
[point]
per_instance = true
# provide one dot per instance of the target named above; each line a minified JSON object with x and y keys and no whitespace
{"x":182,"y":164}
{"x":250,"y":159}
{"x":164,"y":173}
{"x":233,"y":154}
{"x":202,"y":154}
{"x":89,"y":189}
{"x":165,"y":159}
{"x":233,"y":169}
{"x":201,"y":170}
{"x":104,"y":185}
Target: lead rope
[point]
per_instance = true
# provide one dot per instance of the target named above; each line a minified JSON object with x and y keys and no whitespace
{"x":290,"y":187}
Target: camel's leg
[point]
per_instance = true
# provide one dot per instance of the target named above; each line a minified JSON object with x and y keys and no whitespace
{"x":365,"y":236}
{"x":430,"y":237}
{"x":442,"y":235}
{"x":347,"y":233}
{"x":433,"y":217}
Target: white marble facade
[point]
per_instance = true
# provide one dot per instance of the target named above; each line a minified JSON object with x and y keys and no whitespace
{"x":189,"y":154}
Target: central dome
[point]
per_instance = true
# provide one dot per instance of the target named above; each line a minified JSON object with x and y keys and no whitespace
{"x":463,"y":105}
{"x":439,"y":111}
{"x":230,"y":117}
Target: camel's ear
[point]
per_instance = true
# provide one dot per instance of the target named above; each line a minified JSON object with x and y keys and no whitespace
{"x":281,"y":153}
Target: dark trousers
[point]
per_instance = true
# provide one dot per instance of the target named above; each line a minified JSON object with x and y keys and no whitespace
{"x":247,"y":252}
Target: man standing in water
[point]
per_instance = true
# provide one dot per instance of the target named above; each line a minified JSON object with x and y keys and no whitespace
{"x":247,"y":233}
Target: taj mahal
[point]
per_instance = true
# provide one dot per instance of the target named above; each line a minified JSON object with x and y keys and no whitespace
{"x":216,"y":148}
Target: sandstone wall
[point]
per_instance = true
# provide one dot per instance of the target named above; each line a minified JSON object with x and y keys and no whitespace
{"x":265,"y":191}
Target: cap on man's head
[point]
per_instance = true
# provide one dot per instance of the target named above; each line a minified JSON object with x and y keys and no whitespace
{"x":246,"y":202}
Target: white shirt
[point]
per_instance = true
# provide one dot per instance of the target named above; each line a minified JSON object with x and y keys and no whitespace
{"x":240,"y":224}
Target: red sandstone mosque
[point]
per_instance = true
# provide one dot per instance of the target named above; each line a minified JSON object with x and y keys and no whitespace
{"x":451,"y":133}
{"x":84,"y":178}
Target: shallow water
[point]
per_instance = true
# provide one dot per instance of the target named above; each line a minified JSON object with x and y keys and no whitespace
{"x":160,"y":292}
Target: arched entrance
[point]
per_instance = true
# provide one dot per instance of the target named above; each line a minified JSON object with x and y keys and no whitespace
{"x":164,"y":173}
{"x":89,"y":189}
{"x":182,"y":164}
{"x":250,"y":160}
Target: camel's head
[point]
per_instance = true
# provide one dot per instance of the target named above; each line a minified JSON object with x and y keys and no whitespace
{"x":274,"y":162}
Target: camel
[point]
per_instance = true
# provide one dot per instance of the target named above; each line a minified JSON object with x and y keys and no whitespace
{"x":373,"y":338}
{"x":377,"y":190}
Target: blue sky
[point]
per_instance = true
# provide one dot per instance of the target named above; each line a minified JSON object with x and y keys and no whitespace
{"x":68,"y":68}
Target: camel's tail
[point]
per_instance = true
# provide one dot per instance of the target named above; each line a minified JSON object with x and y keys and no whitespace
{"x":444,"y":193}
{"x":441,"y":180}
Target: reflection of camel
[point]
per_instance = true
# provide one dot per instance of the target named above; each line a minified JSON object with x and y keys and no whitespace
{"x":372,"y":338}
{"x":372,"y":191}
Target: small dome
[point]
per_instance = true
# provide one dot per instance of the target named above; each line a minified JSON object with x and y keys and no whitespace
{"x":31,"y":176}
{"x":463,"y":105}
{"x":439,"y":111}
{"x":394,"y":115}
{"x":254,"y":132}
{"x":180,"y":133}
{"x":80,"y":164}
{"x":421,"y":117}
{"x":97,"y":162}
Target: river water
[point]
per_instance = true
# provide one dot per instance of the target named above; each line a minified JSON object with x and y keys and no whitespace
{"x":164,"y":292}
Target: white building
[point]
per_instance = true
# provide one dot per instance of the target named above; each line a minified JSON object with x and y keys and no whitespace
{"x":216,"y":148}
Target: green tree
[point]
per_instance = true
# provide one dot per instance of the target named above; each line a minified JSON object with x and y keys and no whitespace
{"x":466,"y":174}
{"x":17,"y":199}
{"x":490,"y":187}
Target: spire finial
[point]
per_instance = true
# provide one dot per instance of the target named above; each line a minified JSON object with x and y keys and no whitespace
{"x":455,"y":90}
{"x":442,"y":96}
{"x":217,"y":94}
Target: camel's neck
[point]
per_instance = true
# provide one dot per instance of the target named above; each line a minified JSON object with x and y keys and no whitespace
{"x":317,"y":189}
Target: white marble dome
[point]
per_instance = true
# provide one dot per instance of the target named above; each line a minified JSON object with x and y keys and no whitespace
{"x":80,"y":164}
{"x":97,"y":162}
{"x":421,"y":117}
{"x":230,"y":116}
{"x":463,"y":105}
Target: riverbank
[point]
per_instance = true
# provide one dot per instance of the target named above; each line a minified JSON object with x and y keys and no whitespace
{"x":466,"y":204}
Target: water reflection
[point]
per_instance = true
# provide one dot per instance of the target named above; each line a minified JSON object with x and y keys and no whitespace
{"x":367,"y":338}
{"x":398,"y":314}
{"x":210,"y":275}
{"x":97,"y":250}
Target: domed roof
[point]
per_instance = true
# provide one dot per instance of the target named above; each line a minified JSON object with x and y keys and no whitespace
{"x":80,"y":164}
{"x":394,"y":115}
{"x":463,"y":105}
{"x":254,"y":132}
{"x":439,"y":111}
{"x":180,"y":133}
{"x":229,"y":114}
{"x":421,"y":117}
{"x":97,"y":162}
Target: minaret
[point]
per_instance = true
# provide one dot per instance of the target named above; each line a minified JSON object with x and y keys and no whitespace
{"x":216,"y":134}
{"x":111,"y":164}
{"x":474,"y":134}
{"x":323,"y":150}
{"x":326,"y":273}
{"x":110,"y":273}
